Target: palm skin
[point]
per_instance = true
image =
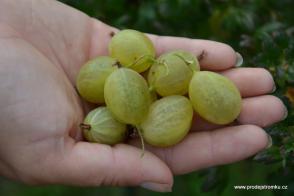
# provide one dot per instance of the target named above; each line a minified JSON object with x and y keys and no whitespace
{"x":43,"y":44}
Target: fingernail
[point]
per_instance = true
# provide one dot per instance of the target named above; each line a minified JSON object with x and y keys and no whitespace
{"x":286,"y":113}
{"x":274,"y":88}
{"x":156,"y":187}
{"x":239,"y":60}
{"x":270,"y":142}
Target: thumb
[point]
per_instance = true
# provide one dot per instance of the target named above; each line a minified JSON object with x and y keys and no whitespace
{"x":90,"y":164}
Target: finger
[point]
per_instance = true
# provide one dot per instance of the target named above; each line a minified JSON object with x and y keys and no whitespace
{"x":205,"y":149}
{"x":100,"y":37}
{"x":211,"y":55}
{"x":262,"y":111}
{"x":251,"y":81}
{"x":90,"y":164}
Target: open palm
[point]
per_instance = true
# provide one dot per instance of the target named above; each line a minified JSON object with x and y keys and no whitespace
{"x":43,"y":44}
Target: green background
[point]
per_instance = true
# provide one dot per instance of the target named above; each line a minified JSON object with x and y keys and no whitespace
{"x":262,"y":31}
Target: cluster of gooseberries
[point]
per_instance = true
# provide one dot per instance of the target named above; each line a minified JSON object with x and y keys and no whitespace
{"x":156,"y":97}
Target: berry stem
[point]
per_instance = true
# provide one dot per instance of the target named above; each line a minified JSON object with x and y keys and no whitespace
{"x":85,"y":126}
{"x":142,"y":140}
{"x":187,"y":62}
{"x":148,"y":57}
{"x":151,"y":88}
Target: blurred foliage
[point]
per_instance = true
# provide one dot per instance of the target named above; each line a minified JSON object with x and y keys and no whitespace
{"x":262,"y":31}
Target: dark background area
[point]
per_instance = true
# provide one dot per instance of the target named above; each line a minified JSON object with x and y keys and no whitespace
{"x":262,"y":31}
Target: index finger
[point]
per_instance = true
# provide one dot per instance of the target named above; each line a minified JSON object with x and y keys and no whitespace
{"x":212,"y":55}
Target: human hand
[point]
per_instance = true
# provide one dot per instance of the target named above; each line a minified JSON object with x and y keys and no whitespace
{"x":42,"y":47}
